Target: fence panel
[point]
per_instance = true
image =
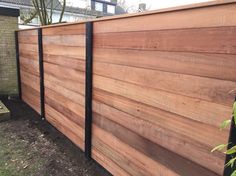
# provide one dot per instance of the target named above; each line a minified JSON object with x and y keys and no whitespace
{"x":29,"y":67}
{"x":161,"y":84}
{"x":161,"y":91}
{"x":64,"y":79}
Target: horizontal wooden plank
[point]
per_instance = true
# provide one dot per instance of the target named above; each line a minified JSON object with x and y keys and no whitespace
{"x":64,"y":73}
{"x":69,"y":51}
{"x":169,"y":159}
{"x":31,"y":97}
{"x":128,"y":158}
{"x":77,"y":29}
{"x":205,"y":134}
{"x":121,"y":160}
{"x":29,"y":65}
{"x":66,"y":83}
{"x":222,"y":15}
{"x":29,"y":54}
{"x":185,"y":40}
{"x":28,"y":47}
{"x":65,"y":40}
{"x":68,"y":108}
{"x":74,"y":132}
{"x":219,"y":66}
{"x":107,"y":163}
{"x":30,"y":80}
{"x":71,"y":95}
{"x":28,"y":39}
{"x":190,"y":149}
{"x":195,"y":109}
{"x":212,"y":90}
{"x":28,"y":32}
{"x":68,"y":62}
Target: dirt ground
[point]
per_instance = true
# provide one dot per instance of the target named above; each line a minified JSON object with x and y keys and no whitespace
{"x":31,"y":147}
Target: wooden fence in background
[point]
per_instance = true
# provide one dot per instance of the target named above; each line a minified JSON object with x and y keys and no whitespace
{"x":161,"y":84}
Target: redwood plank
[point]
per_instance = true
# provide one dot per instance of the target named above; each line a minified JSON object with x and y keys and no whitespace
{"x":128,"y":156}
{"x":77,"y":29}
{"x":189,"y":149}
{"x":68,"y":108}
{"x":69,"y":51}
{"x":169,"y":159}
{"x":206,"y":134}
{"x":28,"y":39}
{"x":29,"y":65}
{"x":212,"y":90}
{"x":223,"y":15}
{"x":74,"y":132}
{"x":28,"y":47}
{"x":183,"y":40}
{"x":28,"y":32}
{"x":65,"y":40}
{"x":66,"y":83}
{"x":220,"y":66}
{"x":64,"y":73}
{"x":73,"y":96}
{"x":30,"y":80}
{"x":192,"y":108}
{"x":68,"y":62}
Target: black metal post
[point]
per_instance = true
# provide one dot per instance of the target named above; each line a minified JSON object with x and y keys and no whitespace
{"x":232,"y":142}
{"x":18,"y":64}
{"x":88,"y":88}
{"x":41,"y":72}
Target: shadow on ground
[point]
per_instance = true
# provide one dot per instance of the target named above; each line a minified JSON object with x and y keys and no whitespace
{"x":31,"y":147}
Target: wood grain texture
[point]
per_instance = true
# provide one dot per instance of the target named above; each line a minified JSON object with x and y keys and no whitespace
{"x":64,"y":73}
{"x":223,"y":15}
{"x":30,"y":80}
{"x":28,"y":47}
{"x":212,"y":90}
{"x":29,"y":65}
{"x":73,"y":131}
{"x":127,"y":157}
{"x":205,"y":134}
{"x":67,"y":62}
{"x":28,"y":39}
{"x":66,"y":83}
{"x":31,"y":97}
{"x":161,"y":84}
{"x":69,"y":51}
{"x":29,"y":54}
{"x":173,"y":40}
{"x":78,"y":29}
{"x":29,"y":68}
{"x":29,"y":32}
{"x":192,"y":108}
{"x":65,"y":40}
{"x":73,"y":96}
{"x":220,"y":66}
{"x":68,"y":108}
{"x":173,"y":161}
{"x":190,"y":148}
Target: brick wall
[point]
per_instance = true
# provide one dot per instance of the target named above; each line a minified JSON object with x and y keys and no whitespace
{"x":8,"y":74}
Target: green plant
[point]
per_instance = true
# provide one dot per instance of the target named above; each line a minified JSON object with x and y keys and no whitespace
{"x":226,"y":148}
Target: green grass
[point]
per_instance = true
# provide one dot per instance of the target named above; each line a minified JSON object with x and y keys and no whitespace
{"x":17,"y":157}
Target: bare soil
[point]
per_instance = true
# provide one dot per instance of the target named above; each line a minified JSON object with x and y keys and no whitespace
{"x":31,"y":147}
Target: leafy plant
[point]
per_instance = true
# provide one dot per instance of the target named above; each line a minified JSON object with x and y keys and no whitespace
{"x":228,"y":150}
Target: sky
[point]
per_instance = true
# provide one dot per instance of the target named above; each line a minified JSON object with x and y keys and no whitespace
{"x":158,"y":4}
{"x":151,"y":4}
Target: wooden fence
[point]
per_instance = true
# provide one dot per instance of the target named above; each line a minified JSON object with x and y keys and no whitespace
{"x":160,"y":87}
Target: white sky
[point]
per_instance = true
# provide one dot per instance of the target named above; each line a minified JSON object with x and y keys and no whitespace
{"x":151,"y":4}
{"x":158,"y":4}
